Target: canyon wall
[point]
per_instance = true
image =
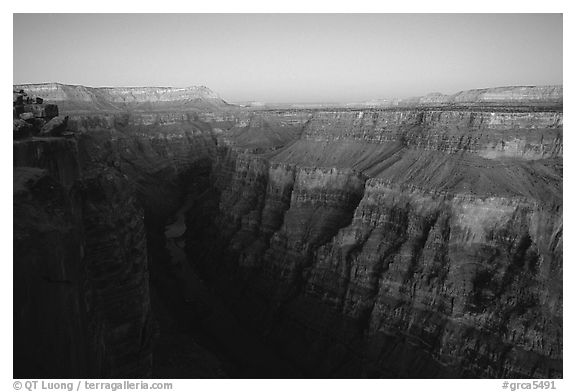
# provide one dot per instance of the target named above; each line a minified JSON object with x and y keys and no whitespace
{"x":83,"y":205}
{"x":397,"y":243}
{"x":416,"y":241}
{"x":80,"y":257}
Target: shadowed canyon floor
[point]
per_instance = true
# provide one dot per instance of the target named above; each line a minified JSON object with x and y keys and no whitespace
{"x":175,"y":235}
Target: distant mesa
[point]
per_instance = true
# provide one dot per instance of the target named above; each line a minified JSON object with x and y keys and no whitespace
{"x":495,"y":96}
{"x":72,"y":98}
{"x":82,"y":98}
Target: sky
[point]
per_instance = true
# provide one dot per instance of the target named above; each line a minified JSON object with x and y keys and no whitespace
{"x":291,"y":57}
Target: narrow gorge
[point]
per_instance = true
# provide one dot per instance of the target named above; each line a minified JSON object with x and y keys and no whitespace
{"x":162,"y":232}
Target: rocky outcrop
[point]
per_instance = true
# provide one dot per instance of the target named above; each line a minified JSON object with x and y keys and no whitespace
{"x":31,"y":115}
{"x":55,"y":127}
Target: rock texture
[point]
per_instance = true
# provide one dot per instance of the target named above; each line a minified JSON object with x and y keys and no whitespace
{"x":80,"y":98}
{"x":398,"y":242}
{"x":49,"y":316}
{"x":527,"y":95}
{"x":31,"y":115}
{"x":80,"y":253}
{"x":423,"y":240}
{"x":82,"y":305}
{"x":121,"y":176}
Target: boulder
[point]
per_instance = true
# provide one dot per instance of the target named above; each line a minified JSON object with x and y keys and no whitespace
{"x":55,"y":127}
{"x":26,"y":116}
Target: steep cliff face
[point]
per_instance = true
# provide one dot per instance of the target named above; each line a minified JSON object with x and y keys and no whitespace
{"x":97,"y":227}
{"x":417,"y":241}
{"x":474,"y":283}
{"x":154,"y":152}
{"x":112,"y":176}
{"x":125,"y":174}
{"x":398,"y":243}
{"x":49,"y":316}
{"x":491,"y":135}
{"x":117,"y":277}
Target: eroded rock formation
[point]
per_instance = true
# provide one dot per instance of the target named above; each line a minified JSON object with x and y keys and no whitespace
{"x":423,"y":240}
{"x":401,"y":242}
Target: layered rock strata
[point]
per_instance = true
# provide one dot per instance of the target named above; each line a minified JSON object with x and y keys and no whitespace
{"x":108,"y":180}
{"x":101,"y":269}
{"x":114,"y":99}
{"x":505,"y":96}
{"x":399,"y":243}
{"x":418,"y":241}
